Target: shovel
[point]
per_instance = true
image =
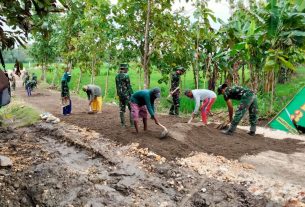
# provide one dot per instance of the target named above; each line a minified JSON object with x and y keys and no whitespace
{"x":223,"y":126}
{"x":164,"y":132}
{"x":170,"y":94}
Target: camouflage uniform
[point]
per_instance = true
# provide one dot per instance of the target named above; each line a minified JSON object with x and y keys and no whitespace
{"x":175,"y":82}
{"x":124,"y":92}
{"x":248,"y":101}
{"x":34,"y":80}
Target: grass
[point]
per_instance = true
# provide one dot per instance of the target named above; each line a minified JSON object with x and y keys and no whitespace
{"x":283,"y":93}
{"x":17,"y":114}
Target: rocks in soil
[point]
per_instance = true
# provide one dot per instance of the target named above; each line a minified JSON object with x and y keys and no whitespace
{"x":49,"y":118}
{"x":5,"y":161}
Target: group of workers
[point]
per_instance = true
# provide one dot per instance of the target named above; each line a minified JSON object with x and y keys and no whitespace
{"x":29,"y":82}
{"x":141,"y":103}
{"x":93,"y":93}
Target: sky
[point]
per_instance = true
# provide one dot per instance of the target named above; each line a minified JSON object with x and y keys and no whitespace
{"x":221,"y":10}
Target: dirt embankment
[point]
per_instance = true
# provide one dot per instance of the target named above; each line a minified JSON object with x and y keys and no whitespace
{"x":64,"y":165}
{"x":97,"y":163}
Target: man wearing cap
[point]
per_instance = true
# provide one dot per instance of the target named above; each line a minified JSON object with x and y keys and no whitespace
{"x":94,"y":94}
{"x":124,"y":92}
{"x":174,"y":91}
{"x":207,"y":97}
{"x":248,"y":101}
{"x":141,"y":102}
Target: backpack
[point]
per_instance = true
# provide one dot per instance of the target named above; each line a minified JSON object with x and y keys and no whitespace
{"x":5,"y":95}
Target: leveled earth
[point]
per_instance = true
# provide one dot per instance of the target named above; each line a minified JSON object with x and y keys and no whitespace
{"x":89,"y":160}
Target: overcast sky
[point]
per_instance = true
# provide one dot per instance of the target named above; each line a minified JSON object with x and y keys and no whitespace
{"x":221,"y":10}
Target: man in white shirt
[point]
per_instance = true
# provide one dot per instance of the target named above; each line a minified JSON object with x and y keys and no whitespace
{"x":207,"y":97}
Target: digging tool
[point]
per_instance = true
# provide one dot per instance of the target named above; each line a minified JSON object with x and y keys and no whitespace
{"x":170,"y":94}
{"x":223,"y":126}
{"x":164,"y":132}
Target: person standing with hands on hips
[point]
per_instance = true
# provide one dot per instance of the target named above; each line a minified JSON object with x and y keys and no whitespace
{"x":175,"y":91}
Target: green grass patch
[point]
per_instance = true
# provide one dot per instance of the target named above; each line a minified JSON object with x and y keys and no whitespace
{"x":17,"y":114}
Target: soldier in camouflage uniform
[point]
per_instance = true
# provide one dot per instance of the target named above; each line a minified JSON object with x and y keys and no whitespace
{"x":175,"y":82}
{"x":124,"y":92}
{"x":248,"y":101}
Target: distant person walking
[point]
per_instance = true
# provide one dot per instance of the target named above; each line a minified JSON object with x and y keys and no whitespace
{"x":124,"y":92}
{"x":28,"y":87}
{"x":141,"y":102}
{"x":207,"y":97}
{"x":65,"y":94}
{"x":94,"y":96}
{"x":13,"y":81}
{"x":34,"y":81}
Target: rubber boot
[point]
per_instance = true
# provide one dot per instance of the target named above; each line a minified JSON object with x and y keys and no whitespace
{"x":252,"y":131}
{"x":122,"y":116}
{"x":229,"y":131}
{"x":177,"y":111}
{"x":171,"y":111}
{"x":131,"y":120}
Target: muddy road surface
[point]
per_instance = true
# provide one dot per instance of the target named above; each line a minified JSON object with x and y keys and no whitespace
{"x":89,"y":160}
{"x":64,"y":165}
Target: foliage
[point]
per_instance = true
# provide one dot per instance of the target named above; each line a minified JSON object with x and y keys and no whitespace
{"x":18,"y":115}
{"x":18,"y":16}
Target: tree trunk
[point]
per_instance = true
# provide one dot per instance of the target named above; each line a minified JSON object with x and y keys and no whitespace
{"x":207,"y":71}
{"x":252,"y":77}
{"x":243,"y":75}
{"x":43,"y":75}
{"x":140,"y":78}
{"x":54,"y":76}
{"x":235,"y":73}
{"x":272,"y":91}
{"x":213,"y":78}
{"x":106,"y":83}
{"x":282,"y":78}
{"x":79,"y":81}
{"x":146,"y":46}
{"x":92,"y":71}
{"x":194,"y":75}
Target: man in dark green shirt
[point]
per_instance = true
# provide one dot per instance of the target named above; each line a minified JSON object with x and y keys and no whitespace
{"x":248,"y":101}
{"x":141,"y":102}
{"x":124,"y":92}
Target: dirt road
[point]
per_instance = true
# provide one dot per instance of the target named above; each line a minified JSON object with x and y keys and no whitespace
{"x":186,"y":138}
{"x":89,"y":160}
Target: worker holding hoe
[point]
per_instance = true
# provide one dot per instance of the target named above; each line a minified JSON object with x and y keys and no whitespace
{"x":124,"y":92}
{"x":94,"y":96}
{"x":175,"y":91}
{"x":248,"y":101}
{"x":141,"y":102}
{"x":207,"y":97}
